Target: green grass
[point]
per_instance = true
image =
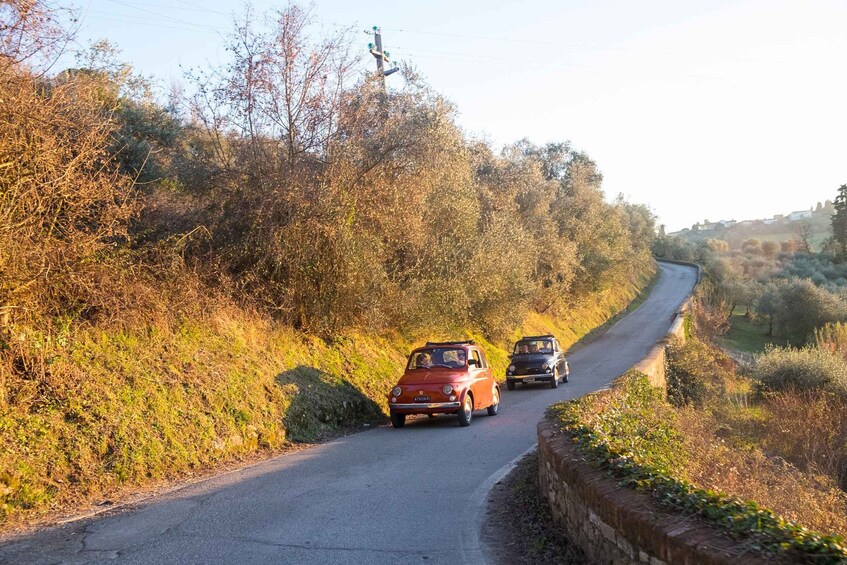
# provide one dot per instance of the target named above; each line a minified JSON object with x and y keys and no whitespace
{"x":746,"y":335}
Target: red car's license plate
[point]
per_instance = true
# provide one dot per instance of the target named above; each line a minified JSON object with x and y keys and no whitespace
{"x":422,"y":399}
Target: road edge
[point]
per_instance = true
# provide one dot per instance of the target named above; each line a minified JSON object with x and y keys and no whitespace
{"x":474,"y":549}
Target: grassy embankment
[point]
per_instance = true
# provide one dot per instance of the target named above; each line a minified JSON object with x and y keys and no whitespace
{"x":146,"y":404}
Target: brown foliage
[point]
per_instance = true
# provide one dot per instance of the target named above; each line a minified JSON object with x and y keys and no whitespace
{"x":63,"y":208}
{"x":719,"y":460}
{"x":833,"y":338}
{"x":810,"y":430}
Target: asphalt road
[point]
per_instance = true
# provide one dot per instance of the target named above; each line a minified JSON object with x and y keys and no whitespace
{"x":383,"y":496}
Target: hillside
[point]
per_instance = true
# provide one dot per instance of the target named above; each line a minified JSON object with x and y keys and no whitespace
{"x":817,"y":227}
{"x":248,"y":265}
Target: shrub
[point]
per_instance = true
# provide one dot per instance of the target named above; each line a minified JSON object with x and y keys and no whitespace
{"x":832,"y":338}
{"x":807,"y":369}
{"x":696,"y":373}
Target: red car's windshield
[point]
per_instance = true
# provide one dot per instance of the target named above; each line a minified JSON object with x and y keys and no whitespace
{"x":438,"y":357}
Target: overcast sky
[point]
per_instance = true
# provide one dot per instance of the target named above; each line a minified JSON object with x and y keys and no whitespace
{"x":700,"y":109}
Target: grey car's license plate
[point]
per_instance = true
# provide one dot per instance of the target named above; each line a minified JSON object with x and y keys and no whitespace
{"x":422,"y":399}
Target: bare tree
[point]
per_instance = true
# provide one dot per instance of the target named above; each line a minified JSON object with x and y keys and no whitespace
{"x":804,"y":235}
{"x":30,"y":31}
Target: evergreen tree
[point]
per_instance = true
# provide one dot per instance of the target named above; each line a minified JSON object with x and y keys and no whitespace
{"x":839,"y":221}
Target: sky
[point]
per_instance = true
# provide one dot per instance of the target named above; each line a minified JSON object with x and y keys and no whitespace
{"x":703,"y":110}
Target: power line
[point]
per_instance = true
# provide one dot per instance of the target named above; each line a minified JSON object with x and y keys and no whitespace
{"x":483,"y":57}
{"x":506,"y":40}
{"x":163,"y":16}
{"x":150,"y":22}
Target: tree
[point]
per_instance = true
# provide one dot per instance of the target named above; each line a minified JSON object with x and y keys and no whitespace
{"x":770,"y":248}
{"x":753,"y":246}
{"x":839,"y":221}
{"x":31,"y":33}
{"x":798,"y":307}
{"x":804,"y":236}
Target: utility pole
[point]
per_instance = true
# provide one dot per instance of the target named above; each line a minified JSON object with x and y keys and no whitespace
{"x":380,"y":56}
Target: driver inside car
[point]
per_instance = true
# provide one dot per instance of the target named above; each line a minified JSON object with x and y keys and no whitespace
{"x":423,"y":361}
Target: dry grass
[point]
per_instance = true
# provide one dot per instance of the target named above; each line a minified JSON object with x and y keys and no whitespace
{"x":786,"y":451}
{"x":721,"y":462}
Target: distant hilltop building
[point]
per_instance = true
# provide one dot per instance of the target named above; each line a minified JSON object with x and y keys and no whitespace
{"x":823,"y":211}
{"x":799,"y":215}
{"x":706,"y":225}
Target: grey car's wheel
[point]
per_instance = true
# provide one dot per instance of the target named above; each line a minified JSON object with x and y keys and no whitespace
{"x":494,"y":408}
{"x":398,"y":420}
{"x":510,"y":384}
{"x":466,"y":411}
{"x":555,"y":382}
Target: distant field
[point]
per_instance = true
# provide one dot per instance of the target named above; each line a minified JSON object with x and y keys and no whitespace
{"x":817,"y":238}
{"x":737,"y":235}
{"x":745,"y":335}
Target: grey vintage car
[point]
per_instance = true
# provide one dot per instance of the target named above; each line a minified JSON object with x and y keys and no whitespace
{"x":537,"y":358}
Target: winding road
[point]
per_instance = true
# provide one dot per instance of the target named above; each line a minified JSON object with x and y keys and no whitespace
{"x":414,"y":495}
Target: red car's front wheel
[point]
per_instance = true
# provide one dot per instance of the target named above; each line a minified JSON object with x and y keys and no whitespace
{"x":466,"y":411}
{"x":398,"y":420}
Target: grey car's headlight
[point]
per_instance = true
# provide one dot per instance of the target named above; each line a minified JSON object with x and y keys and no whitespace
{"x":545,"y":366}
{"x":511,"y":367}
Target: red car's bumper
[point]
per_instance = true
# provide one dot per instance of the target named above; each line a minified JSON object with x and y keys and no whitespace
{"x":425,"y":407}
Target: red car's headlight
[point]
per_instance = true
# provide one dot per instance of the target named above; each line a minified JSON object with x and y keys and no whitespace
{"x":396,"y":391}
{"x":447,"y":389}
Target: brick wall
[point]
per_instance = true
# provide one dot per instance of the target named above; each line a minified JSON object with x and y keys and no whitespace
{"x":619,"y":525}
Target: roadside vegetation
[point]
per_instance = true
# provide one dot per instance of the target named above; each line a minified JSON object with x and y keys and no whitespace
{"x":248,"y":263}
{"x":771,"y":430}
{"x":759,"y":293}
{"x":751,"y":465}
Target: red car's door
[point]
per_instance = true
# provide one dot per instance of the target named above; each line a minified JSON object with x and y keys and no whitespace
{"x":479,"y":374}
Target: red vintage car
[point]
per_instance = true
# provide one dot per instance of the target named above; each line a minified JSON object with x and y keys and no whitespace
{"x":451,"y":377}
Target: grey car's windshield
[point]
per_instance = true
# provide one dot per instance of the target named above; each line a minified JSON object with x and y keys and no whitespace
{"x":533,"y":346}
{"x":439,"y":358}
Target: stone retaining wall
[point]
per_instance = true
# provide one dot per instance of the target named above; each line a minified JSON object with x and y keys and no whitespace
{"x":619,"y":525}
{"x":653,"y":364}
